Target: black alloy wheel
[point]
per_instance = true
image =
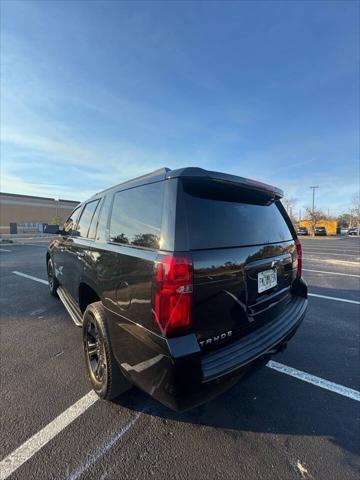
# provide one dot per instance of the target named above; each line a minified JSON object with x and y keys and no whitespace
{"x":105,"y":375}
{"x":95,"y":351}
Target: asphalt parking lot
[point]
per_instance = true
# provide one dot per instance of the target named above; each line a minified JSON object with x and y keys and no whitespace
{"x":299,"y":418}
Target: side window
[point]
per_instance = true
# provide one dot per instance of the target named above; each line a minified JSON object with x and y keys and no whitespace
{"x":86,"y":217}
{"x":70,"y":223}
{"x":103,"y":218}
{"x":94,"y":222}
{"x":136,"y":216}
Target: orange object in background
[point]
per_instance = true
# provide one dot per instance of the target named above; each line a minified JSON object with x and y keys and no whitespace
{"x":330,"y":225}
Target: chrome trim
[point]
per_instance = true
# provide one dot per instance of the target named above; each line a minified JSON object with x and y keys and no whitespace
{"x":66,"y":304}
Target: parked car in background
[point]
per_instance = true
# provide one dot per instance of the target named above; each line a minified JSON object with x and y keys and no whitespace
{"x":302,"y":231}
{"x":343,"y":231}
{"x":330,"y":226}
{"x":320,"y":231}
{"x":353,"y":231}
{"x":183,"y":282}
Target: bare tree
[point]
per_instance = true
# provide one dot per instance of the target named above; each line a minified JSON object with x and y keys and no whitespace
{"x":344,"y":220}
{"x":355,"y":210}
{"x":313,"y":216}
{"x":289,"y":205}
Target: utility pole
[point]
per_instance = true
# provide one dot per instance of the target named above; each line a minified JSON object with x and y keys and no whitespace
{"x":56,"y":206}
{"x":313,"y":202}
{"x":314,"y":187}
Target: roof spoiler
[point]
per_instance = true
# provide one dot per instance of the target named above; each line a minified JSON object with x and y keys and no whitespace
{"x":272,"y":192}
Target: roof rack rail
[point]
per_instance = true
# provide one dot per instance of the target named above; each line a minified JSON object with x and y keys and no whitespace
{"x":158,"y":174}
{"x":159,"y":171}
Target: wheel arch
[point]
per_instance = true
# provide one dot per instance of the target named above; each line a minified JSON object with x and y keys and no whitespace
{"x":87,"y":295}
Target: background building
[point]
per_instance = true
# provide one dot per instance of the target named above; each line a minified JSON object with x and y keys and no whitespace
{"x":28,"y":211}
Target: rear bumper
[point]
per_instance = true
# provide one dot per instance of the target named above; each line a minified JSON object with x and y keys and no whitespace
{"x":175,"y":372}
{"x":225,"y":367}
{"x":249,"y":348}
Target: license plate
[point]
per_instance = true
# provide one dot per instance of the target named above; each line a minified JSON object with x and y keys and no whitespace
{"x":266,"y":280}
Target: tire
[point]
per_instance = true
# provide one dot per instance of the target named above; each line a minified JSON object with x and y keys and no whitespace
{"x":105,"y":376}
{"x":52,"y":280}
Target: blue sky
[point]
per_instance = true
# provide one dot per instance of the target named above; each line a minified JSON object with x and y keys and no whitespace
{"x":94,"y":93}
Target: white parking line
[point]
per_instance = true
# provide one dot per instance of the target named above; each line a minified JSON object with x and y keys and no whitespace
{"x":101,"y":451}
{"x":5,"y":250}
{"x":36,"y":279}
{"x":337,"y":299}
{"x":19,"y":456}
{"x":331,"y":273}
{"x":336,"y":252}
{"x":332,"y":261}
{"x":319,"y":382}
{"x":331,"y":253}
{"x":339,"y":249}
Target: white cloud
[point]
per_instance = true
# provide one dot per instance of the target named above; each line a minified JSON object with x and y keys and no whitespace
{"x":14,"y":184}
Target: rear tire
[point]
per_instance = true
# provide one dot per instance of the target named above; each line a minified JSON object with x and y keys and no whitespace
{"x":52,"y":280}
{"x":105,"y":376}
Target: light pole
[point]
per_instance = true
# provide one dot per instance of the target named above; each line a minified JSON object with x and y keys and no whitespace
{"x":313,"y":203}
{"x":314,"y":187}
{"x":56,"y":207}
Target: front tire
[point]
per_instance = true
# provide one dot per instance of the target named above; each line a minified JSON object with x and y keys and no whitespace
{"x":52,"y":280}
{"x":105,"y":376}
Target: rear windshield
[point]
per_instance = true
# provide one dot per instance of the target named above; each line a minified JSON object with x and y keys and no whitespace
{"x":221,"y":216}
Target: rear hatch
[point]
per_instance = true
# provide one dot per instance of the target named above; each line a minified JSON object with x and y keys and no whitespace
{"x":244,"y":258}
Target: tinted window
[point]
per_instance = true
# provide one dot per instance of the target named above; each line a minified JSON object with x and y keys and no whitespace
{"x":70,"y":223}
{"x":136,"y":216}
{"x":94,"y":222}
{"x":224,"y":218}
{"x":103,"y":218}
{"x":86,"y":217}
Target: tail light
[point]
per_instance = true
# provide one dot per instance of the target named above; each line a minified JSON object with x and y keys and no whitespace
{"x":172,"y":300}
{"x":299,"y":255}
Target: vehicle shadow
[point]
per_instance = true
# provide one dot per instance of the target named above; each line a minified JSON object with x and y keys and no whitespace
{"x":266,"y":402}
{"x":272,"y":402}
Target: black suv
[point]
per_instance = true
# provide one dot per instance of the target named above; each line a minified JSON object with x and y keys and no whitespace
{"x":320,"y":232}
{"x":182,"y":280}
